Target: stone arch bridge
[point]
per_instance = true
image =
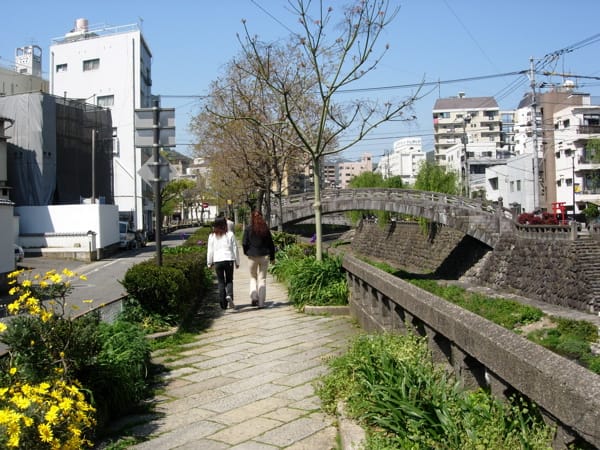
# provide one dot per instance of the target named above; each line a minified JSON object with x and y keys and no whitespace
{"x":474,"y":218}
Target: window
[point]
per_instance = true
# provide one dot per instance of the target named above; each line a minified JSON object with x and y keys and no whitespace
{"x":106,"y":101}
{"x":512,"y":186}
{"x":91,"y":64}
{"x":518,"y":185}
{"x":566,"y":123}
{"x":61,"y":68}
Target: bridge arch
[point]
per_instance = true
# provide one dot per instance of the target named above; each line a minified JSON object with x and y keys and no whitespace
{"x":472,"y":217}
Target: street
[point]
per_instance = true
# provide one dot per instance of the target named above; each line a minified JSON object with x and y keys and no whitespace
{"x":102,"y":283}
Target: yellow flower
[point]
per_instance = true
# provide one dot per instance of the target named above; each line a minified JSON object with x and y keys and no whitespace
{"x":45,"y":316}
{"x":45,"y":432}
{"x":87,"y":301}
{"x":83,"y":277}
{"x":52,"y":415}
{"x":3,"y":327}
{"x":26,"y":283}
{"x":32,"y":343}
{"x":43,"y":284}
{"x":13,"y":290}
{"x":13,"y":308}
{"x":12,"y":370}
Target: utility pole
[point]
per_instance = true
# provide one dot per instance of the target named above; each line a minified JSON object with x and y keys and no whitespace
{"x":93,"y":165}
{"x":466,"y":120}
{"x":536,"y":175}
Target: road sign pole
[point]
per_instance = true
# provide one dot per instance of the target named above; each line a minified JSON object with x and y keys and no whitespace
{"x":157,"y":199}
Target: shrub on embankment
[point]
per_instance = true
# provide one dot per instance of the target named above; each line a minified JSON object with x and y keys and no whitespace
{"x":167,"y":294}
{"x":309,"y":281}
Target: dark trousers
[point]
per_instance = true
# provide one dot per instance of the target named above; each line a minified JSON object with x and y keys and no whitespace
{"x":224,"y":271}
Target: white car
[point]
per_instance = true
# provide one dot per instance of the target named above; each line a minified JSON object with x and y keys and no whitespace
{"x":19,"y":253}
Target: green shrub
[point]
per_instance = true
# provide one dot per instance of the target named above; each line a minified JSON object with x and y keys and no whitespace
{"x":118,"y":378}
{"x":54,"y":347}
{"x":283,"y":240}
{"x":159,"y":289}
{"x":390,"y":383}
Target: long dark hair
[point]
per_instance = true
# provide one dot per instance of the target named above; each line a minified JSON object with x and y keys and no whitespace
{"x":220,"y":226}
{"x":259,"y":226}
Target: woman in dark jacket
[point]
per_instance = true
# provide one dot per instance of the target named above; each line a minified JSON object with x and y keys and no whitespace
{"x":258,"y":246}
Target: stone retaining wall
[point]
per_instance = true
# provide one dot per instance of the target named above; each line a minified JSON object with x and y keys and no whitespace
{"x":559,"y":272}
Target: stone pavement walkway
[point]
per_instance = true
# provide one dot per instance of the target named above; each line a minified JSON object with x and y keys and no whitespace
{"x":247,"y":382}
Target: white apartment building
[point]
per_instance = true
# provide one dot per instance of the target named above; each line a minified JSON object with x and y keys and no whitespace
{"x":465,"y":120}
{"x":405,"y":160}
{"x":111,"y":67}
{"x":348,"y":170}
{"x":577,"y":164}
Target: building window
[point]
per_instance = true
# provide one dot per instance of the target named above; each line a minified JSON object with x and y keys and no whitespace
{"x":91,"y":64}
{"x":518,"y":185}
{"x":106,"y":101}
{"x":566,"y":123}
{"x":512,"y":186}
{"x":61,"y":67}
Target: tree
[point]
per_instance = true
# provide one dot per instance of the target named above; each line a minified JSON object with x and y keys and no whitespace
{"x":434,"y":178}
{"x":246,"y":158}
{"x":374,"y":180}
{"x":173,"y":196}
{"x":332,"y":57}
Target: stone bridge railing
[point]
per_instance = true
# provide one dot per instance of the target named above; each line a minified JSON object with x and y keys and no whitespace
{"x":479,"y":352}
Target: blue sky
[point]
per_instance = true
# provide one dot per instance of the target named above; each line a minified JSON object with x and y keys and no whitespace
{"x":432,"y":40}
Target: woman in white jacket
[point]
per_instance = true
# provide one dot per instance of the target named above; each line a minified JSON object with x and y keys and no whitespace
{"x":222,"y":253}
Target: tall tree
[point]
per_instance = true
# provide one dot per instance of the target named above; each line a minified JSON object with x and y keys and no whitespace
{"x":333,"y":56}
{"x":245,"y":156}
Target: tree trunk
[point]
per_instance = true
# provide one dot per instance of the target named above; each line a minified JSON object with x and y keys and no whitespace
{"x":317,"y":208}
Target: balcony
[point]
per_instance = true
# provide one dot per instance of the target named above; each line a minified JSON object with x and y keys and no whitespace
{"x":588,"y":129}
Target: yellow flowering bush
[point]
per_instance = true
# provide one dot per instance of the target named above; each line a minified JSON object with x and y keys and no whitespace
{"x":42,"y":295}
{"x":47,"y":415}
{"x":41,"y":404}
{"x":43,"y":340}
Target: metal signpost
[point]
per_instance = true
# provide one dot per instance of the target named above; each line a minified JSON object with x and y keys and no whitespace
{"x":155,"y":127}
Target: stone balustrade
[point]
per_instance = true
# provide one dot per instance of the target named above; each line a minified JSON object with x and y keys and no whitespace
{"x":479,"y":352}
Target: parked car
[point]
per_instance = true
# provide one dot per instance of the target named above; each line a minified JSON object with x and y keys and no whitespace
{"x":19,"y":253}
{"x":126,"y":236}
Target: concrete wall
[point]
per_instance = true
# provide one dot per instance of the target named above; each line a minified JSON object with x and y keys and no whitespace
{"x":66,"y":229}
{"x":479,"y":352}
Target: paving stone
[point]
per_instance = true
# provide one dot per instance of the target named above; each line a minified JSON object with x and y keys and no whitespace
{"x":243,"y":398}
{"x":285,"y":414}
{"x":293,"y":432}
{"x":179,"y":436}
{"x":264,"y":408}
{"x":245,"y":431}
{"x":321,"y":440}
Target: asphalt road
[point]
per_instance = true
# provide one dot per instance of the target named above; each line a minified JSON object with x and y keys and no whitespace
{"x":102,"y":284}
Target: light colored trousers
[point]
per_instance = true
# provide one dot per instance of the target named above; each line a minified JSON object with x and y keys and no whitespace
{"x":258,"y":278}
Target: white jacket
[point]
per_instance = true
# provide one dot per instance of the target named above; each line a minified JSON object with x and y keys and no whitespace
{"x":223,"y":248}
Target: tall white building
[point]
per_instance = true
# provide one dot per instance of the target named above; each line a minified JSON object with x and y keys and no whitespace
{"x":405,"y":160}
{"x":111,"y":67}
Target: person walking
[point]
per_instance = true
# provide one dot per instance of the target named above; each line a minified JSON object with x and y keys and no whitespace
{"x":222,"y":253}
{"x":257,"y":243}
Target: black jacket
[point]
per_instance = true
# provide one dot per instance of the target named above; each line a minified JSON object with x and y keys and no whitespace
{"x":254,"y":245}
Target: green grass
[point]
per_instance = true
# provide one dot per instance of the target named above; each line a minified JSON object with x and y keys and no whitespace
{"x":568,"y":337}
{"x":390,"y":384}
